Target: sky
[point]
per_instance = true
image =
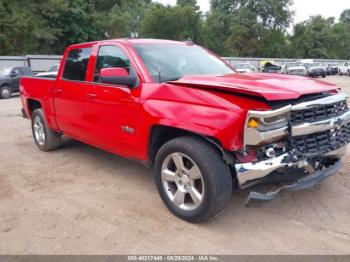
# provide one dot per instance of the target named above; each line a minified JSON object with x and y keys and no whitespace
{"x":303,"y":8}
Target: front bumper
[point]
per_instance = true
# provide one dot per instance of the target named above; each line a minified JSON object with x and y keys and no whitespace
{"x":339,"y":125}
{"x":251,"y":173}
{"x":301,"y":184}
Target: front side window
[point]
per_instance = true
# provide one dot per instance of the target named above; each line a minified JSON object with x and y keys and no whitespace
{"x":167,"y":62}
{"x":111,"y":56}
{"x":76,"y":64}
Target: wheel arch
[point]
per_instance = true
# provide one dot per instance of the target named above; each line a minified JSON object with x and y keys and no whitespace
{"x":4,"y":84}
{"x":32,"y":105}
{"x":160,"y":134}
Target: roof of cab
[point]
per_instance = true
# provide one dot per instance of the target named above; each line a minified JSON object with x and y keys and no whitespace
{"x":130,"y":41}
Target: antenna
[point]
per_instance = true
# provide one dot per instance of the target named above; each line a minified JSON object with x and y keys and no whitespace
{"x":159,"y":76}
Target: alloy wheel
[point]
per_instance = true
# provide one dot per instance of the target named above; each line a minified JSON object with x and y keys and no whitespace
{"x":182,"y":181}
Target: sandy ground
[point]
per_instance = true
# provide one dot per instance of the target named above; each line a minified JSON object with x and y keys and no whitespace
{"x":81,"y":200}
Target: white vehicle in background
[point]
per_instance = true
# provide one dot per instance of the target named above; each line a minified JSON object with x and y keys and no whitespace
{"x":344,"y":69}
{"x":295,"y":68}
{"x":244,"y":68}
{"x":316,"y":69}
{"x":51,"y":73}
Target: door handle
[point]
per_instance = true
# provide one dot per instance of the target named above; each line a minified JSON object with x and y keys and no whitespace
{"x":57,"y":91}
{"x":92,"y":95}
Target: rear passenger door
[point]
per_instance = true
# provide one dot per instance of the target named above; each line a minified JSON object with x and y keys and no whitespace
{"x":70,"y":94}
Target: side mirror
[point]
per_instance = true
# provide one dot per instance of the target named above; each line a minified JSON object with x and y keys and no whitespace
{"x":13,"y":74}
{"x":117,"y":76}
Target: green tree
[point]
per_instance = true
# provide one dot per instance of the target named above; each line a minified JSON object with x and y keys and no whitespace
{"x":192,"y":3}
{"x":240,"y":27}
{"x":166,"y":22}
{"x":345,"y":16}
{"x":313,"y":38}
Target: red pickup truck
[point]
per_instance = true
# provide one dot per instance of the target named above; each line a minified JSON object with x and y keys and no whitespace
{"x":205,"y":129}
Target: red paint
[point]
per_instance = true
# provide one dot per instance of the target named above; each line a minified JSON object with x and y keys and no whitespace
{"x":98,"y":113}
{"x":115,"y":71}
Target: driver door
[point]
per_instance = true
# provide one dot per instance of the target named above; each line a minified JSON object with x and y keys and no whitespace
{"x":112,"y":110}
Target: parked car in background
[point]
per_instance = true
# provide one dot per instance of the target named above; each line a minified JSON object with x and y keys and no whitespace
{"x":9,"y":80}
{"x":244,"y":68}
{"x":344,"y":69}
{"x":332,"y":69}
{"x":316,"y":69}
{"x":51,"y":73}
{"x":271,"y":67}
{"x":295,"y":68}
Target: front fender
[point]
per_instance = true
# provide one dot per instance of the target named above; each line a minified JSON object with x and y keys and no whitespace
{"x":223,"y":124}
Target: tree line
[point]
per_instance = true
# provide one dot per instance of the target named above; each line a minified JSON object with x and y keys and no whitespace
{"x":256,"y":28}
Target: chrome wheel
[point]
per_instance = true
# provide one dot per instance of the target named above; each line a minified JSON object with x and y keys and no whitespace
{"x":39,"y":131}
{"x":5,"y":92}
{"x":182,"y":181}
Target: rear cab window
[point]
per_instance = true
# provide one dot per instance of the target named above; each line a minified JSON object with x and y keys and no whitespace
{"x":76,"y":64}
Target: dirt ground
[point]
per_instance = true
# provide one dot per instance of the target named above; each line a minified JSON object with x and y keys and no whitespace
{"x":81,"y":200}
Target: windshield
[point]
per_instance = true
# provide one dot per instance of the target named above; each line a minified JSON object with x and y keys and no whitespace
{"x":316,"y":64}
{"x":294,"y":64}
{"x":176,"y":61}
{"x":53,"y":68}
{"x":5,"y":71}
{"x":242,"y":66}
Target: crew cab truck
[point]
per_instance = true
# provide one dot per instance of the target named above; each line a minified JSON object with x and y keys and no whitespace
{"x":205,"y":129}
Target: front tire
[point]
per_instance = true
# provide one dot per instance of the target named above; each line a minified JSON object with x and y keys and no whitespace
{"x":192,"y":179}
{"x":5,"y":92}
{"x":45,"y":138}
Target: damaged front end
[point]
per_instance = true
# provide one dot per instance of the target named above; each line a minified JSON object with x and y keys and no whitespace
{"x":299,"y":144}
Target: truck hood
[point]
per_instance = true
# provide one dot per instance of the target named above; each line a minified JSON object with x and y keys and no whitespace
{"x":269,"y":86}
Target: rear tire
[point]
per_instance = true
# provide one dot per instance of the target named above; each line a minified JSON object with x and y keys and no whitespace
{"x":5,"y":92}
{"x":45,"y":138}
{"x":192,"y":179}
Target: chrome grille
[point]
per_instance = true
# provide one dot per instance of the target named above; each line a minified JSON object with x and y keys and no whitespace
{"x":318,"y":113}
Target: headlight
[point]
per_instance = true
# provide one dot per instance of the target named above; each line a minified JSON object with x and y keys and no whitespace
{"x":263,"y":127}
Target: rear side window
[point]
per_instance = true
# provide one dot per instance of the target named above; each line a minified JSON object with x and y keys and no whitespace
{"x":76,"y":64}
{"x":27,"y":71}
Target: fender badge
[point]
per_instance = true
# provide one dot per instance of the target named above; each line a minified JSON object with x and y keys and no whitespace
{"x":128,"y":129}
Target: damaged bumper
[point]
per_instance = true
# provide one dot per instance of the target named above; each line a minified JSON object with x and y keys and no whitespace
{"x":301,"y":184}
{"x":314,"y":129}
{"x":248,"y":173}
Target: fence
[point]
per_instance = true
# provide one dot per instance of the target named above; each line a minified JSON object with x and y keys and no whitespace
{"x":38,"y":63}
{"x":41,"y":63}
{"x":255,"y":61}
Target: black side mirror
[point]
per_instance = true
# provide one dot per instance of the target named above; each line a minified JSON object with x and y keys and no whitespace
{"x":13,"y":74}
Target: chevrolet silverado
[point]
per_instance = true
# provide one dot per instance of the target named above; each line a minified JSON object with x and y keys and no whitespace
{"x":205,"y":129}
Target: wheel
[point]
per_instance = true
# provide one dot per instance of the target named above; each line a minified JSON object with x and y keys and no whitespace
{"x":45,"y":138}
{"x":5,"y":92}
{"x":324,"y":75}
{"x":348,"y":72}
{"x":339,"y":73}
{"x":192,"y":179}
